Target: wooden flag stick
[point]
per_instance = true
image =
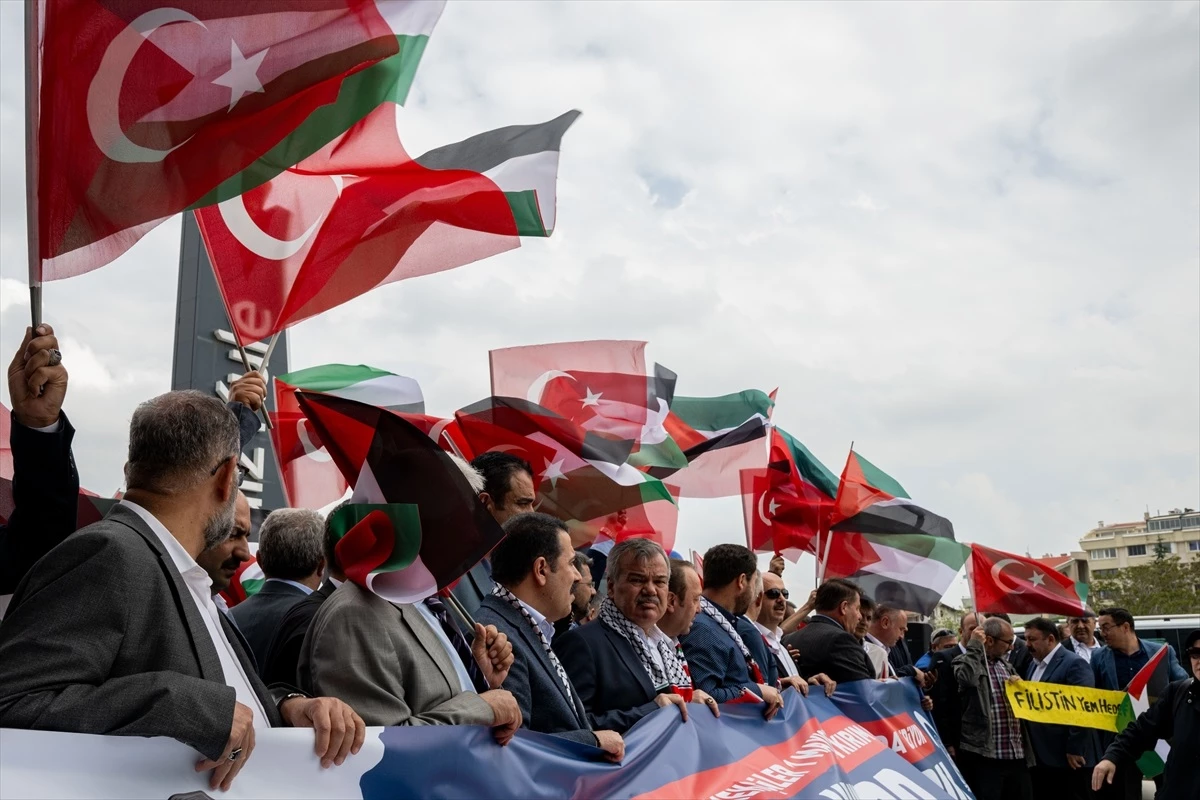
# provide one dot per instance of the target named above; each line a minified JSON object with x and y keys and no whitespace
{"x":462,"y":612}
{"x":262,"y":367}
{"x":32,"y":75}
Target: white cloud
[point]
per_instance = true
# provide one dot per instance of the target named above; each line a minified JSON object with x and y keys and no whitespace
{"x":964,"y":236}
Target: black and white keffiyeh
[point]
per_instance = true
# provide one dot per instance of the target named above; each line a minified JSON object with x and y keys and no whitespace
{"x":710,"y":608}
{"x":511,"y":599}
{"x":671,"y":672}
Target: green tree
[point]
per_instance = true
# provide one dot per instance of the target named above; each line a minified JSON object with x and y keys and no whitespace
{"x":1164,"y":586}
{"x":1161,"y":550}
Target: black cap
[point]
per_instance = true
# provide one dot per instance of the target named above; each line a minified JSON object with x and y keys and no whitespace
{"x":1191,"y":639}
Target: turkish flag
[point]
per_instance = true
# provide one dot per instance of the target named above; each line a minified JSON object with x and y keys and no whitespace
{"x":1009,"y":583}
{"x":522,"y":371}
{"x":145,"y":105}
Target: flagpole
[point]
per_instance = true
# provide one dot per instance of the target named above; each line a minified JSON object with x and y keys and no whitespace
{"x":462,"y":612}
{"x":262,"y":367}
{"x":32,"y":75}
{"x":829,"y":533}
{"x":246,"y":363}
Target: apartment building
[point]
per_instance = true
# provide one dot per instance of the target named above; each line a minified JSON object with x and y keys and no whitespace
{"x":1111,"y":547}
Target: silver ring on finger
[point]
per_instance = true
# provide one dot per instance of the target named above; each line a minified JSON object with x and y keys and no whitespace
{"x":55,"y":358}
{"x":236,"y":754}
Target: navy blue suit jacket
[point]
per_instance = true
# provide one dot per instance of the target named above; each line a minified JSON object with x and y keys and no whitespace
{"x":611,"y":681}
{"x":717,"y":664}
{"x":532,"y":679}
{"x":1052,"y":743}
{"x":758,"y":648}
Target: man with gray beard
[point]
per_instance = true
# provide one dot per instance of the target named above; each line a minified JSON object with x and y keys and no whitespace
{"x":115,"y":630}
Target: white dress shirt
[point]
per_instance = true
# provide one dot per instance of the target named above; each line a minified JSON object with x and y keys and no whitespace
{"x":651,"y":642}
{"x":1085,"y":651}
{"x":878,"y":651}
{"x":200,"y":588}
{"x":297,"y":584}
{"x":460,"y":669}
{"x":544,"y":625}
{"x":773,"y":638}
{"x":1040,"y":669}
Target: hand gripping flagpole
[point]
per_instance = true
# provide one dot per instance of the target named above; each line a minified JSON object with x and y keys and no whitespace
{"x":462,"y":611}
{"x":32,"y":80}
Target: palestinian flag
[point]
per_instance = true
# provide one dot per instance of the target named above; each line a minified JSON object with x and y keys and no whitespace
{"x":522,"y":160}
{"x":246,"y":581}
{"x":580,"y":475}
{"x":1006,"y":582}
{"x":911,"y":571}
{"x":871,"y":501}
{"x":376,"y":543}
{"x":390,"y":461}
{"x":361,"y":213}
{"x":145,"y":108}
{"x":1144,"y":690}
{"x":310,"y":478}
{"x":411,"y":22}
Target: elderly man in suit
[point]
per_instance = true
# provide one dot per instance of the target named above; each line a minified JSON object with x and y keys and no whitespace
{"x":115,"y":631}
{"x":283,"y":654}
{"x":827,"y":643}
{"x":292,"y":558}
{"x":622,"y":665}
{"x":535,"y":573}
{"x":1064,"y":754}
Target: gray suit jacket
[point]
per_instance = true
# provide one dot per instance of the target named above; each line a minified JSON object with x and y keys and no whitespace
{"x":103,"y":637}
{"x":532,"y":675}
{"x":259,"y":615}
{"x":386,"y":662}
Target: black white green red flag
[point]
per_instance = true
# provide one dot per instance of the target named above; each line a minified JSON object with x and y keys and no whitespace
{"x":871,"y":501}
{"x":361,"y":213}
{"x":310,"y":478}
{"x":907,"y":570}
{"x":390,"y":461}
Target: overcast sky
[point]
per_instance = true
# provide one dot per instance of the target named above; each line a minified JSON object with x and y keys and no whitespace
{"x":965,"y":236}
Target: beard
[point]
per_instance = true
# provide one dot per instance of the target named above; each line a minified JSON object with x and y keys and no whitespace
{"x":220,"y":525}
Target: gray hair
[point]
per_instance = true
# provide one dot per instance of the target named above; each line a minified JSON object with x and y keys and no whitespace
{"x":582,"y":561}
{"x":291,"y":543}
{"x":994,"y":627}
{"x":473,"y":476}
{"x":177,"y":439}
{"x":640,"y":549}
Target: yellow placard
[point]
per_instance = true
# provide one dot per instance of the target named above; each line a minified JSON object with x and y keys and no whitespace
{"x":1057,"y":704}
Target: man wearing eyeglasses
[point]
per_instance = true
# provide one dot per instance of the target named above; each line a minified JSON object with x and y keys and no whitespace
{"x":1176,"y":716}
{"x":994,"y":753}
{"x":1114,"y":666}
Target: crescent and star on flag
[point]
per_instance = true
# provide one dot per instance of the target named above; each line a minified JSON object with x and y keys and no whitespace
{"x":1038,"y":579}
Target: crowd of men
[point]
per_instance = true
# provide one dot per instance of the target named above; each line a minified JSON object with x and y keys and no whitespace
{"x":120,"y":628}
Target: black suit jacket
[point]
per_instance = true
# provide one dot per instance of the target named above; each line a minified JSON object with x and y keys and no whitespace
{"x":825,"y":646}
{"x":532,"y":679}
{"x":283,"y":654}
{"x":259,"y":615}
{"x":610,"y":680}
{"x":1019,"y":657}
{"x":103,"y":637}
{"x":45,"y":489}
{"x":901,"y":660}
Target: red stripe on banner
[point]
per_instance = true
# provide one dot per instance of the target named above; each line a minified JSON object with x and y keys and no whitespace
{"x":780,"y":770}
{"x":902,"y":735}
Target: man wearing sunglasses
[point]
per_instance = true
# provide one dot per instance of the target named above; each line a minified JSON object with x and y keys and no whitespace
{"x":1176,"y":716}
